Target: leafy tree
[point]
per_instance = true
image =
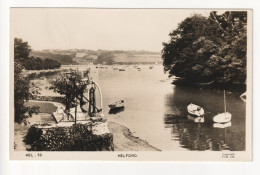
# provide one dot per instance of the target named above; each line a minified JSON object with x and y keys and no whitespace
{"x":208,"y":50}
{"x":70,"y":85}
{"x":21,"y":49}
{"x":21,"y":94}
{"x":21,"y":83}
{"x":105,"y":58}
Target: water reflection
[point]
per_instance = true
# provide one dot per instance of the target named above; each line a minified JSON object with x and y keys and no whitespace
{"x":116,"y":110}
{"x":205,"y":135}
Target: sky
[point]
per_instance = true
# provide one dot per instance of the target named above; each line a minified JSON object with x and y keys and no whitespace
{"x":107,"y":29}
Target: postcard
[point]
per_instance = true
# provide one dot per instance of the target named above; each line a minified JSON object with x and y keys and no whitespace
{"x":131,"y":84}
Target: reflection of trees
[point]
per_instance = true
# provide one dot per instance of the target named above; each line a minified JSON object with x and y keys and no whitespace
{"x":197,"y":136}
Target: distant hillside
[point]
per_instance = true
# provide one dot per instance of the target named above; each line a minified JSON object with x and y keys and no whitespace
{"x":63,"y":59}
{"x":84,"y":56}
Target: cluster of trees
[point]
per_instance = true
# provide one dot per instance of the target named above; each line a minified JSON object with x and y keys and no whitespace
{"x":21,"y":83}
{"x":61,"y":58}
{"x":105,"y":58}
{"x":21,"y":54}
{"x":209,"y":50}
{"x":21,"y":94}
{"x":32,"y":63}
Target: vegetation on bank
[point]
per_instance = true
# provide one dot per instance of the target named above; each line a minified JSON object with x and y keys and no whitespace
{"x":21,"y":94}
{"x":21,"y":54}
{"x":22,"y":91}
{"x":210,"y":50}
{"x":78,"y":137}
{"x":105,"y":58}
{"x":64,"y":59}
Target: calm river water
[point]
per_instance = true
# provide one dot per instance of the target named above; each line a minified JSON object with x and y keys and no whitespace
{"x":156,"y":111}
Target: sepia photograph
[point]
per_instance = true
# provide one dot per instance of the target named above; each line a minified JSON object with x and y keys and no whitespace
{"x":130,"y":84}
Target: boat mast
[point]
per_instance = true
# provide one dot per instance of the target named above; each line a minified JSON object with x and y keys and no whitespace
{"x":225,"y":102}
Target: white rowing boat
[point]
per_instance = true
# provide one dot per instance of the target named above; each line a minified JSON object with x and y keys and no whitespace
{"x":195,"y":110}
{"x":118,"y":104}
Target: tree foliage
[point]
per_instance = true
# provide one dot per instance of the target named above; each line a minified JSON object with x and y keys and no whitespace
{"x":208,"y":49}
{"x":75,"y":138}
{"x":61,"y":58}
{"x":21,"y":54}
{"x":21,"y":94}
{"x":105,"y":58}
{"x":32,"y":63}
{"x":21,"y":49}
{"x":70,"y":85}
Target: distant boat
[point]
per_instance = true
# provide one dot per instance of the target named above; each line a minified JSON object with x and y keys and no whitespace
{"x":121,"y":69}
{"x":118,"y":104}
{"x":223,"y":117}
{"x":195,"y":110}
{"x":243,"y":96}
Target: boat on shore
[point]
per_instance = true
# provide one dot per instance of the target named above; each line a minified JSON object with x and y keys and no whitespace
{"x":223,"y":117}
{"x":118,"y":104}
{"x":195,"y":110}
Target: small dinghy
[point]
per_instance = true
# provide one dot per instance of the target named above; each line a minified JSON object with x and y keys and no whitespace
{"x":223,"y":117}
{"x":118,"y":104}
{"x":195,"y":110}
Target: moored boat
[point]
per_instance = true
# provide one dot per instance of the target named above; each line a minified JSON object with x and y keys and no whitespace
{"x":195,"y":110}
{"x":121,"y":69}
{"x":223,"y":117}
{"x":118,"y":104}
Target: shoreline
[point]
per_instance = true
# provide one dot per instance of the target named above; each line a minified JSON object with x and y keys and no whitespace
{"x":123,"y":138}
